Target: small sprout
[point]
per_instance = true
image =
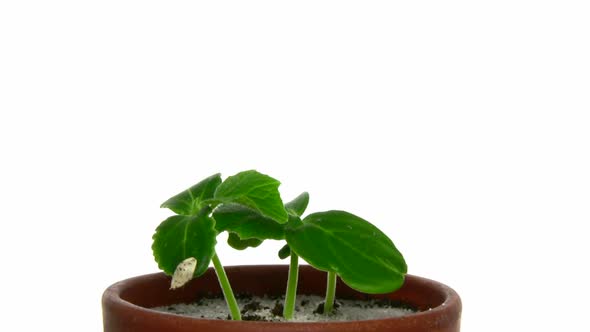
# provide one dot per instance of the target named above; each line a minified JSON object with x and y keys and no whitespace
{"x":184,"y":272}
{"x":193,"y":230}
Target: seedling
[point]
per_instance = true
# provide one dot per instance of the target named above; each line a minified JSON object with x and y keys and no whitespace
{"x":249,"y":207}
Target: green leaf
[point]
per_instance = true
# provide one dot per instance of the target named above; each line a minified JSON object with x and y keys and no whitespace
{"x":294,"y":222}
{"x":180,"y":237}
{"x":189,"y":202}
{"x":236,"y":242}
{"x":284,"y":252}
{"x":298,"y":205}
{"x":246,"y":222}
{"x":337,"y":241}
{"x":256,"y":191}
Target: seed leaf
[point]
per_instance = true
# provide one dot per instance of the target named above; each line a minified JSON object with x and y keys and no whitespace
{"x":337,"y":241}
{"x":284,"y":252}
{"x":298,"y":205}
{"x":181,"y":237}
{"x":190,"y":201}
{"x":236,"y":242}
{"x":256,"y":191}
{"x":247,"y":223}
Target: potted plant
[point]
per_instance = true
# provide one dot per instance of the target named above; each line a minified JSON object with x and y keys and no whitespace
{"x":345,"y":253}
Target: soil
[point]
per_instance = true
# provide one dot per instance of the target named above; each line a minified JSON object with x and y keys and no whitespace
{"x":309,"y":308}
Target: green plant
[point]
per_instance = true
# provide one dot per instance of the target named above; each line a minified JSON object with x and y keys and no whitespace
{"x":249,"y":207}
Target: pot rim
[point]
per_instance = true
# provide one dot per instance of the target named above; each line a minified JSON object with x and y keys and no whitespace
{"x":452,"y":302}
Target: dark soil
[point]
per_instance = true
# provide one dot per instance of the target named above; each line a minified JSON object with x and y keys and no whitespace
{"x":278,"y":309}
{"x":320,"y":308}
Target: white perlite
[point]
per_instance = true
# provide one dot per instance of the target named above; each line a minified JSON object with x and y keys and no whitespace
{"x":347,"y":309}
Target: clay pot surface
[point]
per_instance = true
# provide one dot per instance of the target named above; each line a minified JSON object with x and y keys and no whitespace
{"x":126,"y":304}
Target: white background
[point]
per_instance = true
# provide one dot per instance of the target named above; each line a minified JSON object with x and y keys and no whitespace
{"x":460,"y":128}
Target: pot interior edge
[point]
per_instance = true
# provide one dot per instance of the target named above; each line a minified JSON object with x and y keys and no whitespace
{"x":259,"y":280}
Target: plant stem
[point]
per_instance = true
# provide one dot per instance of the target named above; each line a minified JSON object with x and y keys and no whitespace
{"x":330,"y":292}
{"x":289,"y":306}
{"x":230,"y":299}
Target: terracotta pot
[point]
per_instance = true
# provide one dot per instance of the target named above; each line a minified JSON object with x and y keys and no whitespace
{"x":126,"y":304}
